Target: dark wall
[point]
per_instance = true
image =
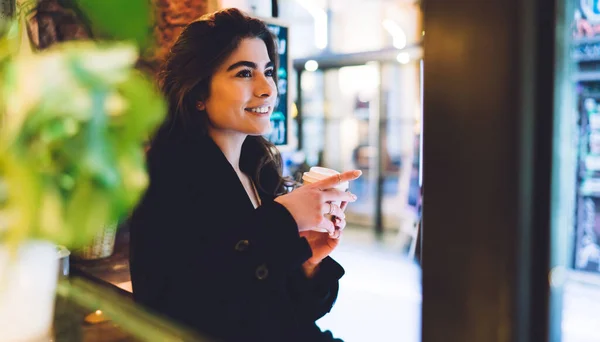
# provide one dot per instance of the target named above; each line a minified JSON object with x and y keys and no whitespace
{"x":489,"y":72}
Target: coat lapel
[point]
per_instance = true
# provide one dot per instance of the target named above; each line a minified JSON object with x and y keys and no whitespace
{"x":218,"y":176}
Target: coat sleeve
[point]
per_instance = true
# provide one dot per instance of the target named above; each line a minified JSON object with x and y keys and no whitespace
{"x":315,"y":297}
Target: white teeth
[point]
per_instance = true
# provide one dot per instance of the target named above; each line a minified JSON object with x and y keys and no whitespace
{"x":261,"y":110}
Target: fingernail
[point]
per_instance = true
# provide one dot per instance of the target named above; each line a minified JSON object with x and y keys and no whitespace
{"x":353,"y":196}
{"x":357,"y":173}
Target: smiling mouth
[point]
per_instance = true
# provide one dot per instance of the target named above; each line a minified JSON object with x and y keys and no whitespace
{"x":259,"y":110}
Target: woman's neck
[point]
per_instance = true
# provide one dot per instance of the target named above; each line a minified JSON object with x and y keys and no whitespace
{"x":230,"y":143}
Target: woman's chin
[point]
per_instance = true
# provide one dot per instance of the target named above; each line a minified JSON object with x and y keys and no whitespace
{"x":261,"y":133}
{"x":261,"y":130}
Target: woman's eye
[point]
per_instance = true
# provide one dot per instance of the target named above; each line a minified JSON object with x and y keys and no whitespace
{"x":244,"y":73}
{"x":269,"y":73}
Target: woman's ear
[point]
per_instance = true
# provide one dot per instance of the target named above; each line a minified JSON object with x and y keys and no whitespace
{"x":200,"y":105}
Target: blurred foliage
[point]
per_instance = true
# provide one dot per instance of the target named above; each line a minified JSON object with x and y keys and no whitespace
{"x":126,"y":20}
{"x":73,"y":120}
{"x":9,"y":39}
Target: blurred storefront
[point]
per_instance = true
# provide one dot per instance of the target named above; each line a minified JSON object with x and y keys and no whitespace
{"x":586,"y":53}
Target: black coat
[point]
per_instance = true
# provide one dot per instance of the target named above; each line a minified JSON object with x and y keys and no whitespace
{"x":203,"y":256}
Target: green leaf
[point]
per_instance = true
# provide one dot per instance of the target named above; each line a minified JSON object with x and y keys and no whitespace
{"x":87,"y":211}
{"x":146,"y":107}
{"x":118,"y":19}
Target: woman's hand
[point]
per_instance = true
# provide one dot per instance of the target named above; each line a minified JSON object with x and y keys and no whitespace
{"x":322,"y":244}
{"x":309,"y":203}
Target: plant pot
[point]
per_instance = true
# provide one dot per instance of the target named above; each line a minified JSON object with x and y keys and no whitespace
{"x":28,"y":281}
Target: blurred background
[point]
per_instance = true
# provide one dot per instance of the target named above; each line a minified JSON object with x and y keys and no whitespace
{"x":498,"y":99}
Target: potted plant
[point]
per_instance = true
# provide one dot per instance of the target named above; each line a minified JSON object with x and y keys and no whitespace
{"x":73,"y":120}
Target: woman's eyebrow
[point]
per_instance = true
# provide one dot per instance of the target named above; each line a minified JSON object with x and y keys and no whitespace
{"x":248,"y":64}
{"x":241,"y":64}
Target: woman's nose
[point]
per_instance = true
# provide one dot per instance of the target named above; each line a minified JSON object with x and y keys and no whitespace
{"x":265,"y":87}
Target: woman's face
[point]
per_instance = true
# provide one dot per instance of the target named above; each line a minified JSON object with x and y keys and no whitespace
{"x":243,"y":91}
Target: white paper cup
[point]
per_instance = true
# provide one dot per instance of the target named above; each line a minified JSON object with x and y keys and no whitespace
{"x":317,"y":174}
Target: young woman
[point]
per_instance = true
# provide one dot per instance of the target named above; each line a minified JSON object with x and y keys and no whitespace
{"x":216,"y":242}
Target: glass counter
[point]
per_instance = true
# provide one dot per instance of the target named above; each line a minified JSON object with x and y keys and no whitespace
{"x":88,"y":312}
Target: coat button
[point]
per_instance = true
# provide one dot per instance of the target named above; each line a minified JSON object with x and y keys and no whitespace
{"x":242,"y":245}
{"x":262,"y":272}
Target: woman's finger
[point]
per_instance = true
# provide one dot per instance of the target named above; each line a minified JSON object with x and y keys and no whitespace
{"x":343,"y":206}
{"x":332,"y":181}
{"x":336,"y":234}
{"x":340,"y":224}
{"x":334,"y":195}
{"x":332,"y":209}
{"x":327,"y":225}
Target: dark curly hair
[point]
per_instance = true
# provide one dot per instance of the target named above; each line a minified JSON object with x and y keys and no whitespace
{"x":185,"y":79}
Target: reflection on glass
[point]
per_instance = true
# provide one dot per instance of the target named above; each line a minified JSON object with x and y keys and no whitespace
{"x":342,"y":130}
{"x":401,"y":147}
{"x":339,"y":118}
